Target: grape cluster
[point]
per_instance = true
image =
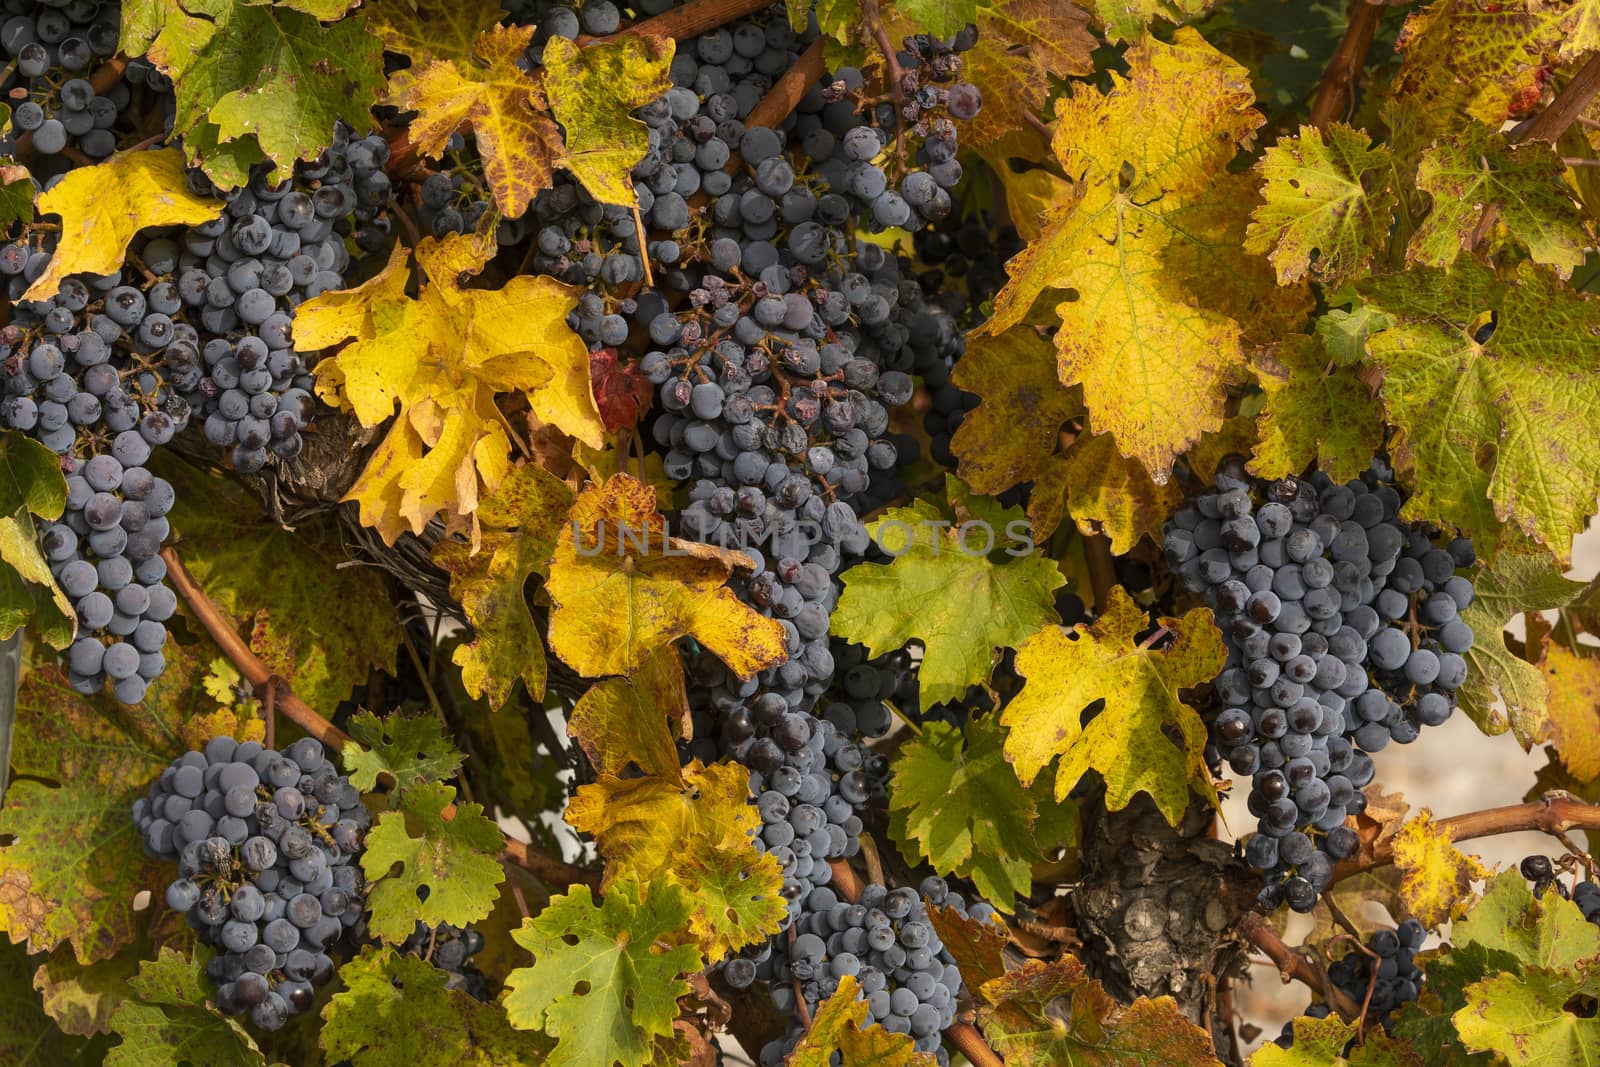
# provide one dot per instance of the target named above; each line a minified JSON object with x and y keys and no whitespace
{"x":264,"y":843}
{"x":55,"y":46}
{"x":1320,"y":592}
{"x":1398,"y":979}
{"x":1538,"y":870}
{"x":886,"y":943}
{"x":450,"y":948}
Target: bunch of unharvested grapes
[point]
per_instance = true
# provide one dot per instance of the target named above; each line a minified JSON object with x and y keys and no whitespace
{"x":264,"y":842}
{"x":53,"y":46}
{"x":1398,"y":979}
{"x":450,"y":948}
{"x":1538,"y":870}
{"x":1312,"y":584}
{"x":886,"y":943}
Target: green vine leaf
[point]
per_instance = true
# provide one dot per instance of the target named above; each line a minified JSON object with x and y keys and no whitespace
{"x":455,"y":861}
{"x":172,"y":1024}
{"x":411,"y":749}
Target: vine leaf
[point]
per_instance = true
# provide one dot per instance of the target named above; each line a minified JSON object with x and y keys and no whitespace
{"x":395,"y":1009}
{"x":1477,"y":171}
{"x":75,"y":861}
{"x":31,"y":486}
{"x":522,"y":518}
{"x":1531,"y":1018}
{"x":1010,"y":437}
{"x":698,"y":831}
{"x":956,"y":802}
{"x":1503,"y":691}
{"x":1022,"y":45}
{"x":1096,"y":1030}
{"x":1328,"y":200}
{"x":456,"y":861}
{"x":1426,"y":1022}
{"x":1436,"y":882}
{"x":1067,"y":672}
{"x":275,"y":586}
{"x":1500,"y":431}
{"x":1139,"y":239}
{"x":977,"y":945}
{"x":1581,"y":31}
{"x":257,"y":81}
{"x":960,"y":604}
{"x":441,"y":358}
{"x":622,"y":722}
{"x":1315,"y":412}
{"x":837,"y":1031}
{"x":593,"y":92}
{"x":1574,"y":684}
{"x":1332,"y":1042}
{"x":171,"y":1025}
{"x":605,"y":978}
{"x":1344,"y":332}
{"x":942,"y":18}
{"x":103,"y":206}
{"x":29,"y":1032}
{"x":1109,"y":493}
{"x":1126,"y":20}
{"x":622,"y":589}
{"x":1547,"y":932}
{"x":411,"y":749}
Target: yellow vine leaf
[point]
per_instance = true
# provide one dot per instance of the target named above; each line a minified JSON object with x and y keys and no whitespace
{"x":837,"y":1030}
{"x":1126,"y":742}
{"x":1332,"y":1042}
{"x":1126,"y":20}
{"x":593,"y":92}
{"x":1140,"y":328}
{"x":1315,"y":412}
{"x":1010,"y":437}
{"x":625,"y":589}
{"x":465,"y":73}
{"x":1436,"y":877}
{"x":440,"y":359}
{"x":1328,"y":202}
{"x":628,"y":721}
{"x":522,"y":518}
{"x":698,"y":831}
{"x":1574,"y":683}
{"x":1111,"y":494}
{"x":102,"y":207}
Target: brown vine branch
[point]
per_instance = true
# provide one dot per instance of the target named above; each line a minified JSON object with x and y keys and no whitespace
{"x":1336,"y":92}
{"x":786,"y":92}
{"x":1558,"y":814}
{"x":305,"y":716}
{"x":1291,"y":964}
{"x":847,"y":883}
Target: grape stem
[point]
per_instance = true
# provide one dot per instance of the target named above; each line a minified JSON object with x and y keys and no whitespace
{"x":1291,"y":964}
{"x":248,"y":664}
{"x":1336,"y":93}
{"x":871,"y":18}
{"x":963,"y":1036}
{"x":1556,"y":813}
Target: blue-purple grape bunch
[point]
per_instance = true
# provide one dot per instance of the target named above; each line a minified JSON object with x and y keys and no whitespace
{"x":266,"y":844}
{"x":1343,"y":634}
{"x":1387,"y":971}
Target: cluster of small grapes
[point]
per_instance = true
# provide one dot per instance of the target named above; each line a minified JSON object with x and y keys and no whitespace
{"x":1314,"y":588}
{"x":450,"y":948}
{"x":53,"y":44}
{"x":884,"y":941}
{"x":1585,"y":894}
{"x":567,"y":19}
{"x":973,"y":252}
{"x":1398,"y":979}
{"x":264,"y":843}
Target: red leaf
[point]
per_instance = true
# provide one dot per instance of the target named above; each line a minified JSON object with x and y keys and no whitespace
{"x":620,"y":391}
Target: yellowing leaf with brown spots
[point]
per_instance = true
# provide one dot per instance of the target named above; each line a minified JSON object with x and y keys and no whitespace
{"x":74,"y":861}
{"x":1574,"y":710}
{"x":1315,"y":412}
{"x":1126,"y":742}
{"x":1011,"y":436}
{"x":522,"y":518}
{"x":1021,"y":45}
{"x":1436,"y":877}
{"x":1145,"y":340}
{"x":837,"y":1030}
{"x":697,"y":830}
{"x":432,"y":31}
{"x":103,"y":206}
{"x":1111,"y":494}
{"x":440,"y":359}
{"x":593,"y":92}
{"x":1089,"y":1029}
{"x":622,"y":589}
{"x":629,"y":721}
